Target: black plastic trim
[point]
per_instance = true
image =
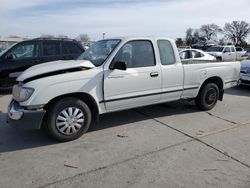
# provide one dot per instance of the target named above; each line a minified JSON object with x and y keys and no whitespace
{"x":231,"y":81}
{"x":31,"y":119}
{"x":54,"y":73}
{"x":150,"y":94}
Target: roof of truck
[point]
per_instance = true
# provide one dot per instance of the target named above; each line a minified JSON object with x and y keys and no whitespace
{"x":140,"y":38}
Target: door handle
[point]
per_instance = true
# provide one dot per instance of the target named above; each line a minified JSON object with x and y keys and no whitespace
{"x":154,"y":74}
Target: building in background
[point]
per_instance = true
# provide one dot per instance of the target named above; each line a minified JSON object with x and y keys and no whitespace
{"x":5,"y":42}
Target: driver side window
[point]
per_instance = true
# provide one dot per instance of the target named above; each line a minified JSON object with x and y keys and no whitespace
{"x":23,"y":51}
{"x":137,"y":54}
{"x":227,"y":50}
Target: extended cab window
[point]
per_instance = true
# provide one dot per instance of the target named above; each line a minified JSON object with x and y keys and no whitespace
{"x":167,"y":53}
{"x":25,"y":50}
{"x":51,"y":48}
{"x":137,"y":54}
{"x":232,"y":49}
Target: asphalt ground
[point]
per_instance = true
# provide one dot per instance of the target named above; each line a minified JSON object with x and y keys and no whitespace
{"x":166,"y":145}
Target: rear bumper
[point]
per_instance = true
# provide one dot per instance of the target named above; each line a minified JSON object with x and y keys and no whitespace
{"x":245,"y":82}
{"x":245,"y":79}
{"x":24,"y":119}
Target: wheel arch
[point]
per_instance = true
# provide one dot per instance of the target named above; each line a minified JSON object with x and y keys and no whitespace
{"x":85,"y":97}
{"x":216,"y":80}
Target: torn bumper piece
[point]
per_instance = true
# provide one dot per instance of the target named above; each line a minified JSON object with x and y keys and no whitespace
{"x":25,"y":119}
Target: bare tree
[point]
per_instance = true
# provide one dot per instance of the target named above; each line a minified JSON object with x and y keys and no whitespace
{"x":179,"y":42}
{"x":189,"y":36}
{"x":84,"y":38}
{"x":237,"y":31}
{"x":210,"y":31}
{"x":197,"y":36}
{"x":193,"y":36}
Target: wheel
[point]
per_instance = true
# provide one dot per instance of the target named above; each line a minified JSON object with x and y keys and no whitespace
{"x":219,"y":58}
{"x":68,"y":119}
{"x":208,"y":97}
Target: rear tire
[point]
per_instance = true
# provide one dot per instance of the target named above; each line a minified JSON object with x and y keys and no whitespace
{"x":68,"y":119}
{"x":208,"y":97}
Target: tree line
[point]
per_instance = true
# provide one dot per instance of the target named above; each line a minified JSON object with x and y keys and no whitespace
{"x":236,"y":32}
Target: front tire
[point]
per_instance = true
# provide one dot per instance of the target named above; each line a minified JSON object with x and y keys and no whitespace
{"x":208,"y":97}
{"x":68,"y":119}
{"x":219,"y":58}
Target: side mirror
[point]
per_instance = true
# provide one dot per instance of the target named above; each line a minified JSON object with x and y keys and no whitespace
{"x":120,"y":65}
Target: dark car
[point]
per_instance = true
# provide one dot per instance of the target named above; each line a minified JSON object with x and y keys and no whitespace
{"x":23,"y":55}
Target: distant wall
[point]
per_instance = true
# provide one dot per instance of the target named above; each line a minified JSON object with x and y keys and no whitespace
{"x":5,"y":42}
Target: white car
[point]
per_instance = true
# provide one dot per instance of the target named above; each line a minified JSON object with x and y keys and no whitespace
{"x":245,"y":72}
{"x":113,"y":75}
{"x":223,"y":53}
{"x":194,"y":54}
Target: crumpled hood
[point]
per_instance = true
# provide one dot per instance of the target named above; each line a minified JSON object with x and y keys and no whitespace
{"x":52,"y":67}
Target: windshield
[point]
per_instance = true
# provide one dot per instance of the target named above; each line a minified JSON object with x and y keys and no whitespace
{"x":99,"y":51}
{"x":215,"y":49}
{"x":2,"y":52}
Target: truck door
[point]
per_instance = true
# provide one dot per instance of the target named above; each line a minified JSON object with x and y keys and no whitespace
{"x":227,"y":55}
{"x":140,"y":84}
{"x":172,"y":72}
{"x":234,"y":54}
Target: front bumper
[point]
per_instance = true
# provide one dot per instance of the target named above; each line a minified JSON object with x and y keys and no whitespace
{"x":24,"y":119}
{"x":245,"y":79}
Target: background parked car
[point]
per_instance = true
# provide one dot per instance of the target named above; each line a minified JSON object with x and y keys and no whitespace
{"x":194,"y":54}
{"x":245,"y":72}
{"x":248,"y":52}
{"x":204,"y":45}
{"x":223,"y":53}
{"x":21,"y":56}
{"x":241,"y":52}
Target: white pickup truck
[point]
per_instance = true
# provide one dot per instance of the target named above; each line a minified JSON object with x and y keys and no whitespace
{"x":241,"y":52}
{"x":223,"y":53}
{"x":114,"y":74}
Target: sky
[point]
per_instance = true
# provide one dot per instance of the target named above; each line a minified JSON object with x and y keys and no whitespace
{"x":171,"y":18}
